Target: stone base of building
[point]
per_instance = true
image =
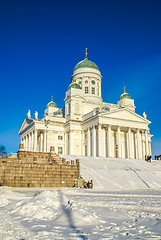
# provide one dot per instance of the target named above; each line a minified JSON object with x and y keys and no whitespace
{"x":32,"y":169}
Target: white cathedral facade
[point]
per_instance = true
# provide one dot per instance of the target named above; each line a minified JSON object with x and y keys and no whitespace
{"x":86,"y":125}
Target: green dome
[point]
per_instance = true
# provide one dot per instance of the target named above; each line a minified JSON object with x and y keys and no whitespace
{"x":52,"y":104}
{"x":125,"y":95}
{"x":74,"y":85}
{"x":86,"y":64}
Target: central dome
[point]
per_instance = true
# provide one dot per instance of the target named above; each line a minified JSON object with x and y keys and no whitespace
{"x":86,"y":64}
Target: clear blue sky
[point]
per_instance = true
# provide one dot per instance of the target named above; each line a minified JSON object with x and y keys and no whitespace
{"x":42,"y":41}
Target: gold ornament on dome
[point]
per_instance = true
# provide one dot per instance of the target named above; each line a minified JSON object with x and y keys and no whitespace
{"x":86,"y":53}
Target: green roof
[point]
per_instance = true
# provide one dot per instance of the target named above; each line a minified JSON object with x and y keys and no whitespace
{"x":125,"y":95}
{"x":74,"y":85}
{"x":86,"y":64}
{"x":52,"y":104}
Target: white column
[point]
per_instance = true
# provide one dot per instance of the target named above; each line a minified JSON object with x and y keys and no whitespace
{"x":88,"y":142}
{"x":141,"y":142}
{"x":119,"y":141}
{"x":109,"y":140}
{"x":129,"y":143}
{"x":138,"y":144}
{"x":45,"y":141}
{"x":41,"y":142}
{"x":24,"y":143}
{"x":70,"y":143}
{"x":93,"y":141}
{"x":146,"y":142}
{"x":104,"y":142}
{"x":35,"y":140}
{"x":150,"y":153}
{"x":32,"y":136}
{"x":65,"y":145}
{"x":100,"y":142}
{"x":29,"y":142}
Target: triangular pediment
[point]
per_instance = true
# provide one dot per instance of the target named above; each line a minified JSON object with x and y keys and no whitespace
{"x":125,"y":114}
{"x":26,"y":123}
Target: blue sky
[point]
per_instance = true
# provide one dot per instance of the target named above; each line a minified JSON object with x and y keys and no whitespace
{"x":42,"y":41}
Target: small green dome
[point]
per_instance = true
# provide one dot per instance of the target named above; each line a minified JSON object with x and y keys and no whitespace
{"x":74,"y":85}
{"x":125,"y":95}
{"x":86,"y":64}
{"x":51,"y":104}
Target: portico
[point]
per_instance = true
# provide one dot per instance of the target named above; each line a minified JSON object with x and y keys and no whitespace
{"x":117,"y":141}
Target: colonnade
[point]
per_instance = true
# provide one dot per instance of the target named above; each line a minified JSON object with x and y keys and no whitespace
{"x":112,"y":141}
{"x":30,"y":141}
{"x":100,"y":140}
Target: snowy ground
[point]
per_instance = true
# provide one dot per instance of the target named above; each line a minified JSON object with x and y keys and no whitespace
{"x":124,"y":204}
{"x":30,"y":214}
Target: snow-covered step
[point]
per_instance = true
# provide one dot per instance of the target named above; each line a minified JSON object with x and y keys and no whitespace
{"x":120,"y":174}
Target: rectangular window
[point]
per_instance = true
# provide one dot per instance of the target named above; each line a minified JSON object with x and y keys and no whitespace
{"x":60,"y":150}
{"x":93,"y":90}
{"x":86,"y":81}
{"x":60,"y":137}
{"x":69,"y":108}
{"x":86,"y":90}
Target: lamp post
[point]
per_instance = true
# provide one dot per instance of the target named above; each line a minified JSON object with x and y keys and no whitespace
{"x":46,"y":125}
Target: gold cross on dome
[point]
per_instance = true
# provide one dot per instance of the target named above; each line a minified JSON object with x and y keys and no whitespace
{"x":124,"y":90}
{"x":86,"y":53}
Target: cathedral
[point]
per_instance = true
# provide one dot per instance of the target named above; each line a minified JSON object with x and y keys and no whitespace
{"x":86,"y":125}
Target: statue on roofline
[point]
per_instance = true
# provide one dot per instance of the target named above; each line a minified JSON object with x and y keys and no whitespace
{"x":144,"y":115}
{"x":29,"y":114}
{"x":36,"y":115}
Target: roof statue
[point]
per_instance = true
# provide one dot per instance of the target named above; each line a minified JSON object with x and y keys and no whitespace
{"x":36,"y":115}
{"x":29,"y":114}
{"x":144,"y":115}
